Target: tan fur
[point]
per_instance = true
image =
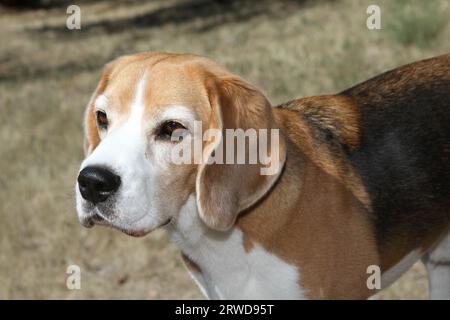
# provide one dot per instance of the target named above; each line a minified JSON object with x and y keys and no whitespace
{"x":337,"y":115}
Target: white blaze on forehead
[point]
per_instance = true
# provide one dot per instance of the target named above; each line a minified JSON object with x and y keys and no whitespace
{"x":132,"y":129}
{"x":137,"y":106}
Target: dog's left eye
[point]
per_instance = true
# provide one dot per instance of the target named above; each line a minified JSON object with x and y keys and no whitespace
{"x":168,"y":128}
{"x":102,"y":120}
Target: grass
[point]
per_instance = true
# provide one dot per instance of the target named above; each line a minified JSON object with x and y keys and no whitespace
{"x":419,"y":22}
{"x":287,"y":48}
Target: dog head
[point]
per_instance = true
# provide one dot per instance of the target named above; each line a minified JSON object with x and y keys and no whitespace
{"x":145,"y":108}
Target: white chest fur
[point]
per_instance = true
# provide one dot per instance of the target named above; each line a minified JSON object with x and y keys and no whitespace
{"x":228,"y":270}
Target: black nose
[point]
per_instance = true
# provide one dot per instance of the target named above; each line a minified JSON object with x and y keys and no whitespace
{"x":97,"y":183}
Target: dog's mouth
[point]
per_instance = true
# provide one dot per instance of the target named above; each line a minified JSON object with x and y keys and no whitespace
{"x":166,"y":223}
{"x":97,"y":219}
{"x":92,"y":220}
{"x":141,"y":232}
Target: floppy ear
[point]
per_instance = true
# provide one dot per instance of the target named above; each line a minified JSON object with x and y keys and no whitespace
{"x":224,"y":190}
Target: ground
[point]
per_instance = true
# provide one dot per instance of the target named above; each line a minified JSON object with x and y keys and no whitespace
{"x":288,"y":48}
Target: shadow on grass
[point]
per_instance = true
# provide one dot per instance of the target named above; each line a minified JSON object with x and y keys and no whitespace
{"x":27,"y":5}
{"x":19,"y":73}
{"x":209,"y":13}
{"x":32,"y":4}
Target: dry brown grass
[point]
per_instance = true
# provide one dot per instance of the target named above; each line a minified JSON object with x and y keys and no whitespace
{"x":287,"y":48}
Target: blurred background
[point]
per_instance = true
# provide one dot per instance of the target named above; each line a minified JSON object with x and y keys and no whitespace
{"x":287,"y":48}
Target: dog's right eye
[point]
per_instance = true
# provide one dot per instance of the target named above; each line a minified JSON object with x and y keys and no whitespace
{"x":102,"y":120}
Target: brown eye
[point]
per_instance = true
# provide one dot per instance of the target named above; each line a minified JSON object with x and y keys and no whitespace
{"x":102,"y":120}
{"x":167,"y":129}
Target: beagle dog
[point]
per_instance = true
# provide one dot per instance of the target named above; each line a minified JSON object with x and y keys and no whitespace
{"x":363,"y":178}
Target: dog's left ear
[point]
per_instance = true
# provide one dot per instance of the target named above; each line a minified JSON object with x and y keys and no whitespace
{"x":224,"y":190}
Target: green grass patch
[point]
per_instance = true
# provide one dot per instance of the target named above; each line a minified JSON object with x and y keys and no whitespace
{"x":417,"y":22}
